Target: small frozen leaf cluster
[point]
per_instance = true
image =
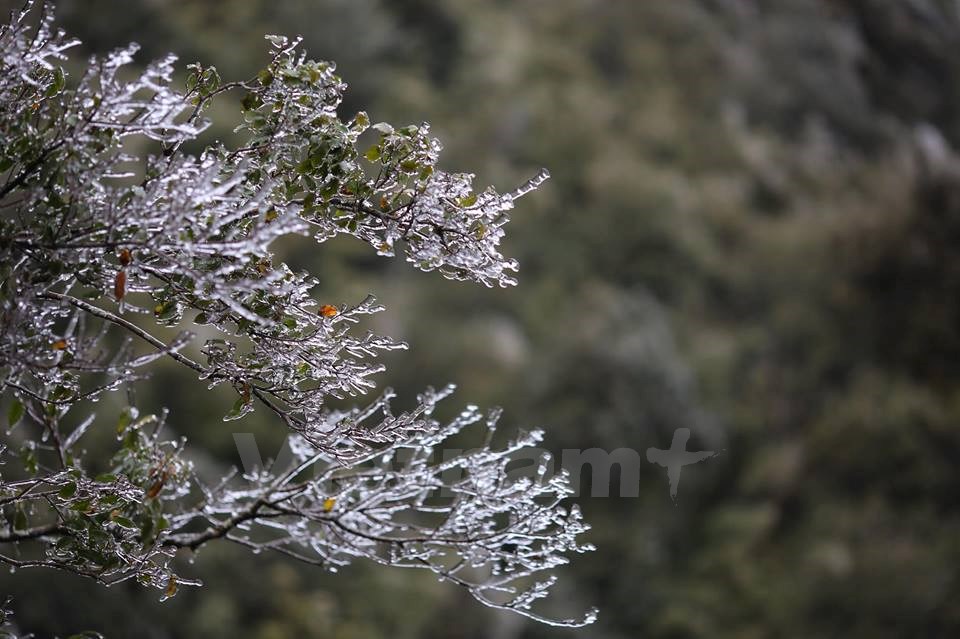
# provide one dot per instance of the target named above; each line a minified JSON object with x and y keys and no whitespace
{"x":113,"y":239}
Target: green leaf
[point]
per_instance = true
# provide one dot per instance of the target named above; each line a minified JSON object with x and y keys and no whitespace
{"x":68,"y":491}
{"x":58,"y":82}
{"x":211,"y":80}
{"x":265,"y":76}
{"x":361,"y":121}
{"x":240,"y":408}
{"x":20,"y":519}
{"x":29,"y":456}
{"x":251,"y":101}
{"x":373,"y":153}
{"x":127,"y":415}
{"x":61,"y":392}
{"x":15,"y":412}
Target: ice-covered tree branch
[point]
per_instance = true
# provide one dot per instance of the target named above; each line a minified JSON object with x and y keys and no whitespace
{"x":110,"y":234}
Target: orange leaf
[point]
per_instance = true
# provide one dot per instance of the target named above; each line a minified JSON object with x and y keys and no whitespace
{"x":328,"y":310}
{"x":157,"y":486}
{"x":171,"y":589}
{"x":59,"y":345}
{"x":328,"y":504}
{"x":120,"y":285}
{"x":154,"y":490}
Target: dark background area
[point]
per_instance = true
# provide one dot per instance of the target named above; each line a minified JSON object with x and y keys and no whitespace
{"x":752,"y":231}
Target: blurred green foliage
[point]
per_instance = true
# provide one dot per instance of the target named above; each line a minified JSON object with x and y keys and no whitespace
{"x":752,"y":232}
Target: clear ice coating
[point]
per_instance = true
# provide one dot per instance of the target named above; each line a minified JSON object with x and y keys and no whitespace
{"x":110,"y":230}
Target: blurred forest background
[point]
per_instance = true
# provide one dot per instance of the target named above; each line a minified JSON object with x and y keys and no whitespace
{"x":752,"y":231}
